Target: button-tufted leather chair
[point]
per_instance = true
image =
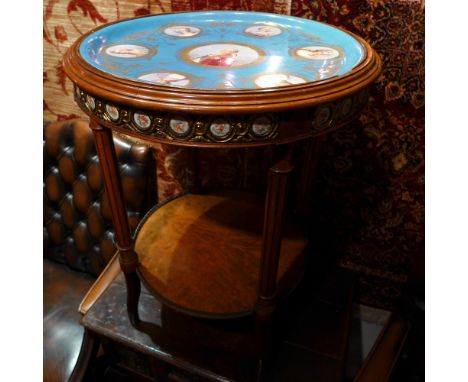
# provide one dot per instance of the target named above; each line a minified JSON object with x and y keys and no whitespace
{"x":78,"y":235}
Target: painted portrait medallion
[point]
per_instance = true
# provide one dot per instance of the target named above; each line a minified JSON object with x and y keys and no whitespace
{"x":182,"y":31}
{"x":328,"y":70}
{"x":220,"y":128}
{"x":112,"y":112}
{"x":91,"y":102}
{"x":317,"y":52}
{"x":261,"y":126}
{"x":347,"y":106}
{"x":322,"y":116}
{"x":263,"y":31}
{"x":226,"y":84}
{"x":142,"y":121}
{"x":166,"y":79}
{"x":278,"y":79}
{"x":226,"y":55}
{"x":127,"y":51}
{"x":179,"y":127}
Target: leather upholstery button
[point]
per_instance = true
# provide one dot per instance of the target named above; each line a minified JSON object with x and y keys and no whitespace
{"x":47,"y":211}
{"x":54,"y":185}
{"x":68,"y":211}
{"x":56,"y":230}
{"x":107,"y":246}
{"x":81,"y":237}
{"x":71,"y":254}
{"x":95,"y":221}
{"x":94,"y":177}
{"x":81,"y":194}
{"x":67,"y":167}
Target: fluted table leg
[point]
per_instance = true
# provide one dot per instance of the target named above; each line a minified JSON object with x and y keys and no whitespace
{"x":278,"y":177}
{"x":306,"y":181}
{"x":128,"y":259}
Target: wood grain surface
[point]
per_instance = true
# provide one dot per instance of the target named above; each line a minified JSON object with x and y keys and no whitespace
{"x":201,"y":253}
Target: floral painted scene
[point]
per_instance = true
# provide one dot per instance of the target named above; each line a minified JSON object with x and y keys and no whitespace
{"x":368,"y":201}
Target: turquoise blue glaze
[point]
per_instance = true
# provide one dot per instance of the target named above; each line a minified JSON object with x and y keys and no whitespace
{"x":222,"y":50}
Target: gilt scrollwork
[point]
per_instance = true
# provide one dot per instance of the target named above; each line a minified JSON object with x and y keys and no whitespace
{"x":181,"y":127}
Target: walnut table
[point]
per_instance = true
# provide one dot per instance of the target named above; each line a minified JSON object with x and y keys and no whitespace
{"x":218,"y":80}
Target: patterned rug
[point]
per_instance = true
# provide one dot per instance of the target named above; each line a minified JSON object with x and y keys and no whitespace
{"x":370,"y":192}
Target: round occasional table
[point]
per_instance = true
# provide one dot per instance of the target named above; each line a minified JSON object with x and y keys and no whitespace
{"x":218,"y":80}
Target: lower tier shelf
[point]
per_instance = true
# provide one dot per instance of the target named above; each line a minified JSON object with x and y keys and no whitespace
{"x":201,"y":253}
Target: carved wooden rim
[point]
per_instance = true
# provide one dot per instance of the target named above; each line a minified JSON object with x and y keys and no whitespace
{"x":155,"y":97}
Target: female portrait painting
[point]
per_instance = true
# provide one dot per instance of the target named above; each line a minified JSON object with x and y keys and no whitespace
{"x":127,"y":51}
{"x":182,"y":31}
{"x":166,"y":79}
{"x":278,"y":79}
{"x":224,"y":55}
{"x":263,"y":31}
{"x":317,"y":53}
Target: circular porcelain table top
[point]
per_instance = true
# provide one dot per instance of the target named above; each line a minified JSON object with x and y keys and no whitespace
{"x":222,"y":50}
{"x":224,"y":77}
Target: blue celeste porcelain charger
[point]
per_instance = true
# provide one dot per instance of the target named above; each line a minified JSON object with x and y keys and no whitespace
{"x":222,"y":50}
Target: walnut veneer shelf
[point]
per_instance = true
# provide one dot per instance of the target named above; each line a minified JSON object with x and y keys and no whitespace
{"x":201,"y":253}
